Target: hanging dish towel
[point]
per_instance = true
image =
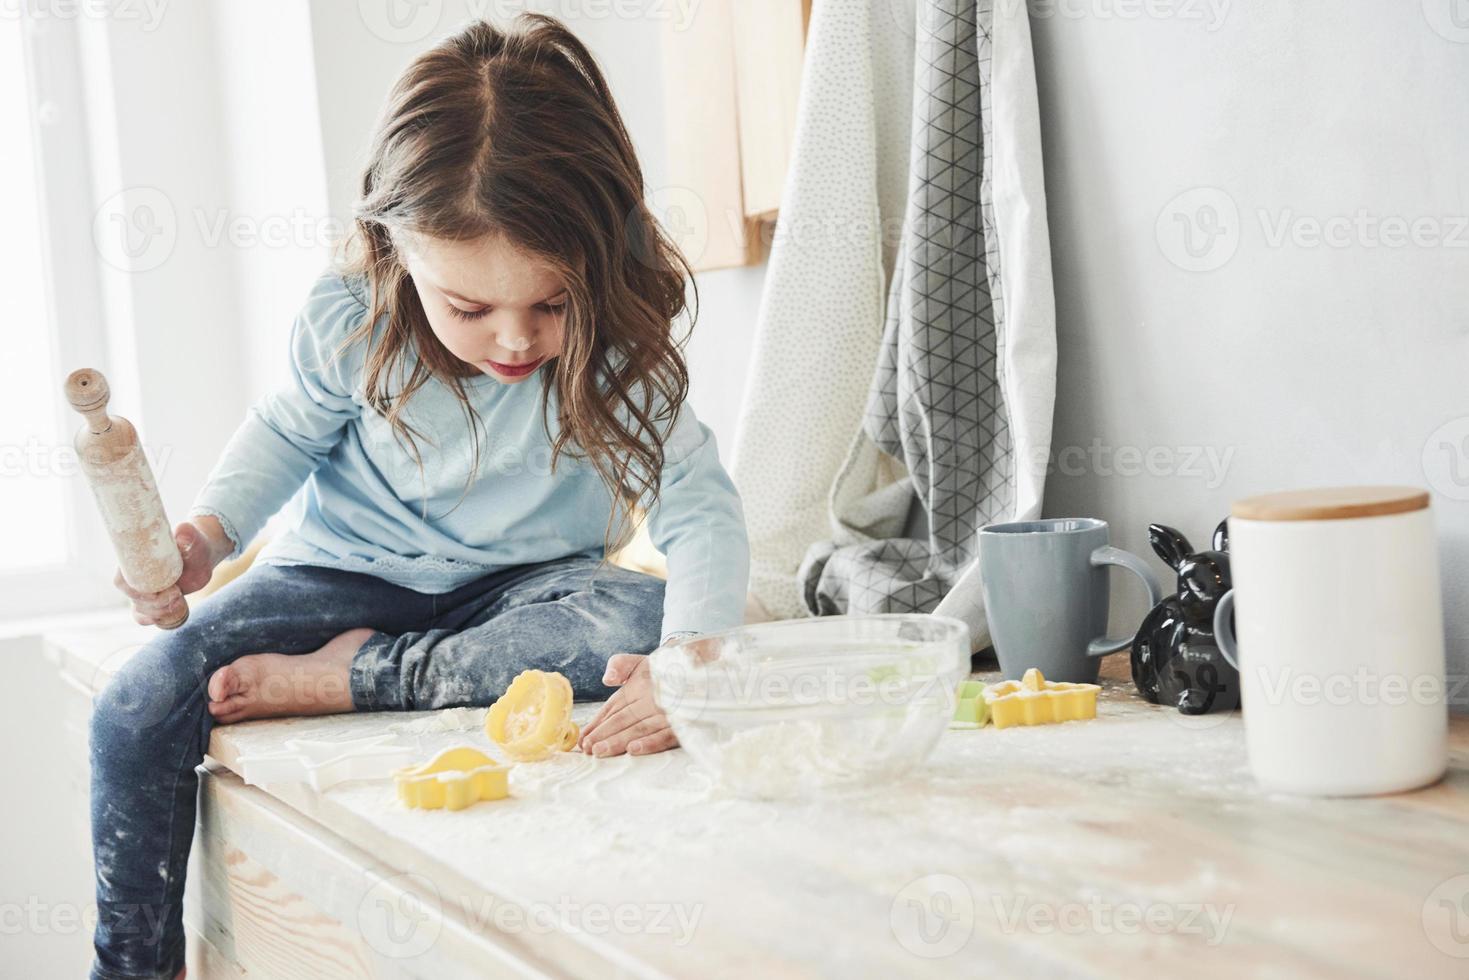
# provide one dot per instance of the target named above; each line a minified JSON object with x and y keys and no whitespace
{"x":964,"y":385}
{"x":821,"y":313}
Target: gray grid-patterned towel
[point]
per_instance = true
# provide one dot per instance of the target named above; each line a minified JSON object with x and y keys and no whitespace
{"x":937,"y":402}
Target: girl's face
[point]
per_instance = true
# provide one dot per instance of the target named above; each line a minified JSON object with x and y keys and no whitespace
{"x":490,"y":304}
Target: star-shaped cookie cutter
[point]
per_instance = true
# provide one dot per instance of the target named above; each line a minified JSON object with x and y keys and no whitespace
{"x":1033,"y":700}
{"x":324,"y":764}
{"x":453,"y":780}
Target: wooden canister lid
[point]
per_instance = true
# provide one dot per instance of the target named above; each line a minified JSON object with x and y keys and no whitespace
{"x":1330,"y":504}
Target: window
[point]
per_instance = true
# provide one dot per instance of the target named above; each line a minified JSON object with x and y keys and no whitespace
{"x":54,"y":552}
{"x":32,"y":448}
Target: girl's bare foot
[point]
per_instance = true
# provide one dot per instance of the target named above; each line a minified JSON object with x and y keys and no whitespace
{"x":272,"y":685}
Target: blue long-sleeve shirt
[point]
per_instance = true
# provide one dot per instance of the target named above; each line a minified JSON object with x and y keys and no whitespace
{"x":361,"y":502}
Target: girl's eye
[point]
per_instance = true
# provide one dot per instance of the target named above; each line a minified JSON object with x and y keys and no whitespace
{"x":555,"y":309}
{"x":468,"y":314}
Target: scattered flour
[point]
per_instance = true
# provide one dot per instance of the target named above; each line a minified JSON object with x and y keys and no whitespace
{"x":448,"y":720}
{"x":668,"y":779}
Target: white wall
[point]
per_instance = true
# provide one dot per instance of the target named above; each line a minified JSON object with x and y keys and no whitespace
{"x":278,"y":229}
{"x":1294,"y":362}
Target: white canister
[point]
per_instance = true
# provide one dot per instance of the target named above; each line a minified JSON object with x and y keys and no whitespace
{"x":1338,"y":624}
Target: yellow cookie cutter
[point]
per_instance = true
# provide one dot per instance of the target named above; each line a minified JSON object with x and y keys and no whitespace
{"x":1033,"y":700}
{"x":532,"y":719}
{"x":452,"y":780}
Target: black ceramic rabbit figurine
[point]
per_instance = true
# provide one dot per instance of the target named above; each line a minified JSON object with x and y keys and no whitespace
{"x":1174,"y":657}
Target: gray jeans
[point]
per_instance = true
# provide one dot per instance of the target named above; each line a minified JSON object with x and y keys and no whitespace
{"x":150,"y":727}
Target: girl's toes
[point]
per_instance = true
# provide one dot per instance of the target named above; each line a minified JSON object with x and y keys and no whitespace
{"x":227,"y":710}
{"x":224,"y":683}
{"x":231,"y":691}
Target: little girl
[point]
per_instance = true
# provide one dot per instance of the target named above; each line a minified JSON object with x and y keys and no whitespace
{"x":472,"y":407}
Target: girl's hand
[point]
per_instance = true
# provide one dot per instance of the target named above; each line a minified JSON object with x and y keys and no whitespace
{"x":202,"y":545}
{"x":629,"y":722}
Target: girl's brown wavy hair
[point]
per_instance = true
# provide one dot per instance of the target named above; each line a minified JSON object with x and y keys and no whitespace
{"x":516,"y":133}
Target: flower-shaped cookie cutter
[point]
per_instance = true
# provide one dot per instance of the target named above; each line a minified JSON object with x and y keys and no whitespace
{"x":1033,"y":700}
{"x":532,"y":719}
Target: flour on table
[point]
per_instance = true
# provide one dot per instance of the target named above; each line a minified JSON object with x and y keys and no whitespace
{"x":447,"y":720}
{"x":662,"y":780}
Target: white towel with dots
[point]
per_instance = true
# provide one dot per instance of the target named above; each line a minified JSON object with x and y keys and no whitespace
{"x":942,"y":385}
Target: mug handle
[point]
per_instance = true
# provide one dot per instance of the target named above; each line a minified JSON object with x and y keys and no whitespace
{"x":1224,"y":628}
{"x":1108,"y":555}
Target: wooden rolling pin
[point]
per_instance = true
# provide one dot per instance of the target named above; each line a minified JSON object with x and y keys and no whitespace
{"x":122,"y":481}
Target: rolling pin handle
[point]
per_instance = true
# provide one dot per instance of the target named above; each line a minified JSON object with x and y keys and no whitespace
{"x":178,"y":622}
{"x":88,"y":393}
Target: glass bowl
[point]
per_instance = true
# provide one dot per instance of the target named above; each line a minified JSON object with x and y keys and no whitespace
{"x":801,"y":707}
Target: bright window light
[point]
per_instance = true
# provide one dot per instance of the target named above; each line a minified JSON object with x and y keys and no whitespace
{"x":34,"y":453}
